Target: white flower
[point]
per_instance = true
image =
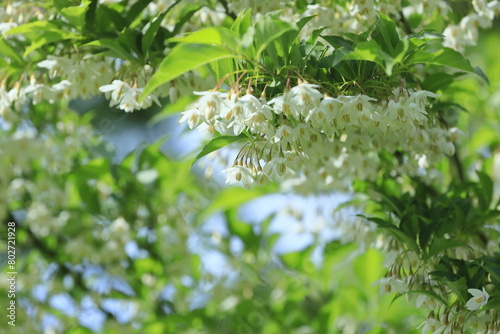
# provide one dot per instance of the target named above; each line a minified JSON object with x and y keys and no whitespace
{"x":192,"y":116}
{"x":63,"y":88}
{"x":477,"y":323}
{"x":479,"y":299}
{"x":40,"y":92}
{"x":284,"y":134}
{"x":454,"y":37}
{"x":445,"y":329}
{"x":173,"y":94}
{"x":483,"y":9}
{"x":305,"y":97}
{"x":210,"y":105}
{"x":429,"y":325}
{"x":284,"y":104}
{"x":391,"y":284}
{"x":130,"y":100}
{"x":115,"y":90}
{"x":276,"y":167}
{"x":119,"y":226}
{"x":148,"y":100}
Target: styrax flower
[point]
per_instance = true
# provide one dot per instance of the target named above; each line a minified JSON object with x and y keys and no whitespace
{"x":479,"y":299}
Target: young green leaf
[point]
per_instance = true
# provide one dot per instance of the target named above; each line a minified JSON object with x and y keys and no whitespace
{"x":114,"y":47}
{"x":385,"y":34}
{"x":442,"y":56}
{"x":76,"y":14}
{"x":8,"y":51}
{"x":150,"y":34}
{"x":438,"y":81}
{"x":242,"y":22}
{"x":220,"y":36}
{"x":184,"y":58}
{"x":267,"y":30}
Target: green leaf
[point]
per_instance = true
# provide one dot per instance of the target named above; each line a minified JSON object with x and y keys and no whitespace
{"x":385,"y":34}
{"x":338,"y":42}
{"x":298,"y":260}
{"x":148,"y":265}
{"x":438,"y":81}
{"x":76,"y":14}
{"x":220,"y":36}
{"x":287,"y":39}
{"x":396,"y":232}
{"x":480,"y":73}
{"x":494,"y":271}
{"x":459,"y":287}
{"x":107,"y":18}
{"x":172,"y":108}
{"x":44,"y":39}
{"x":223,"y":67}
{"x":90,"y":15}
{"x":231,"y":198}
{"x":41,"y":33}
{"x":136,"y":10}
{"x":493,"y":304}
{"x":188,"y":10}
{"x":7,"y":50}
{"x":439,"y":245}
{"x":94,"y":169}
{"x":242,"y":22}
{"x":429,"y":293}
{"x":443,"y":57}
{"x":357,"y":38}
{"x":371,"y":51}
{"x":267,"y":29}
{"x":184,"y":58}
{"x":114,"y":46}
{"x":218,"y":143}
{"x":33,"y":29}
{"x":243,"y":230}
{"x":335,"y":58}
{"x":368,"y":266}
{"x":150,"y":34}
{"x":485,"y":193}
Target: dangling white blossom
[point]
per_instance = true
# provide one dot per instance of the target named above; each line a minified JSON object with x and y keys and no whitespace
{"x":479,"y":299}
{"x":127,"y":98}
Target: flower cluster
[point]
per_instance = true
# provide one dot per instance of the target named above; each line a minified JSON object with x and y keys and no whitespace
{"x":127,"y":98}
{"x":15,"y":13}
{"x":80,"y":78}
{"x":308,"y":135}
{"x":65,"y":78}
{"x":407,"y":273}
{"x":212,"y":14}
{"x":466,"y":33}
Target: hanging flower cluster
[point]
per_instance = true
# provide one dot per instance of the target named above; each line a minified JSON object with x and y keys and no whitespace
{"x":81,"y":78}
{"x":306,"y":134}
{"x":466,"y":33}
{"x":407,"y":272}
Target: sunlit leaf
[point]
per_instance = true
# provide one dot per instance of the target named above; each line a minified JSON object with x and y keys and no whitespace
{"x":218,"y":143}
{"x":267,"y":29}
{"x":76,"y":14}
{"x":444,"y":57}
{"x":184,"y":58}
{"x":220,"y":36}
